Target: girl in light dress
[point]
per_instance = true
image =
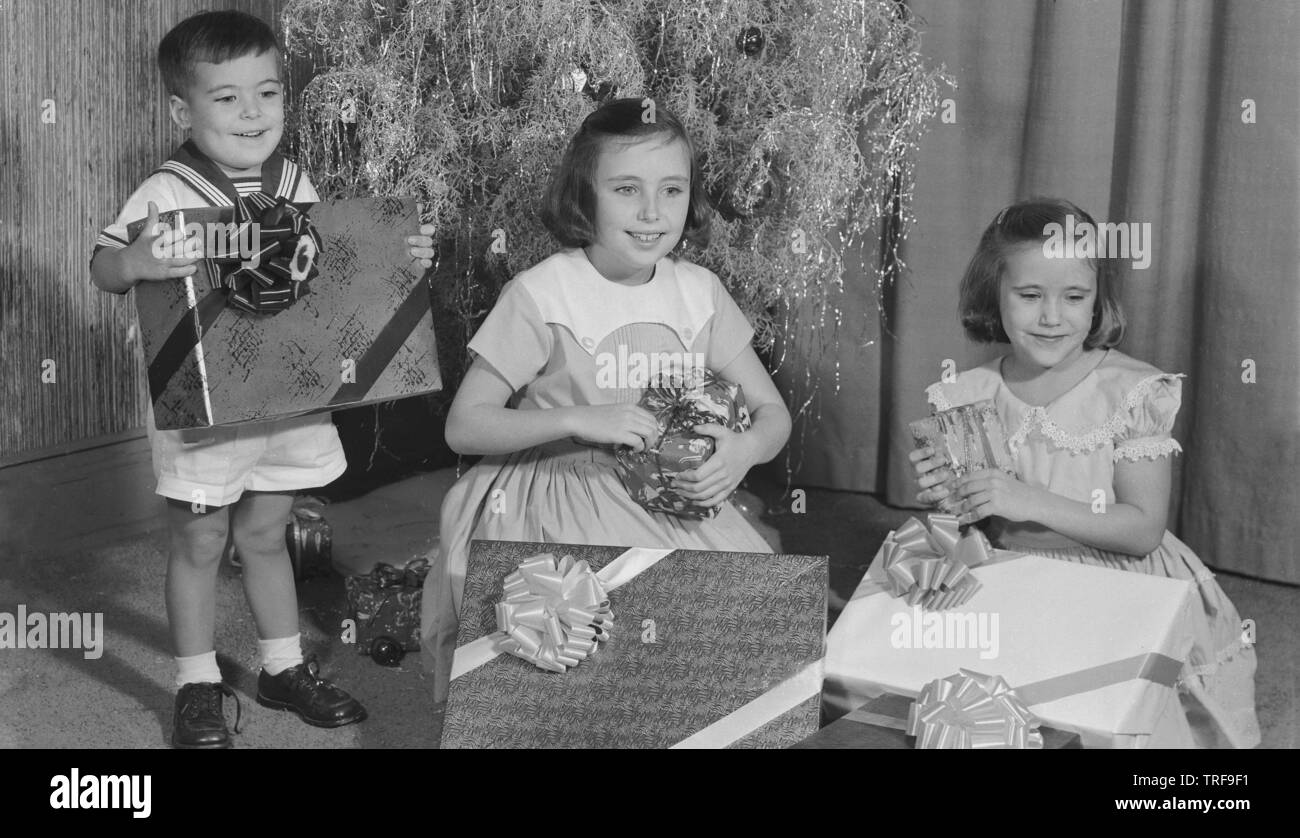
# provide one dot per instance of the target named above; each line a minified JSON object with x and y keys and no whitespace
{"x":1083,"y":416}
{"x":626,"y":192}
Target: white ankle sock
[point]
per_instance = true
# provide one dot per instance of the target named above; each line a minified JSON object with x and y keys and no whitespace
{"x":280,"y":654}
{"x":198,"y":669}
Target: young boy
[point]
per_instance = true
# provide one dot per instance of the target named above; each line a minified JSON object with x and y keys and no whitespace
{"x":222,"y":71}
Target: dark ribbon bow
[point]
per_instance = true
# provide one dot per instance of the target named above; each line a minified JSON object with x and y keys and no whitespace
{"x":283,"y":262}
{"x":412,"y":576}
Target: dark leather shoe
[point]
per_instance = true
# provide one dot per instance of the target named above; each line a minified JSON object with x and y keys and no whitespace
{"x":199,"y":721}
{"x":315,"y":700}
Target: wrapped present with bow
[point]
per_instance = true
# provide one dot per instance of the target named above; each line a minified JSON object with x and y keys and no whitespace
{"x":969,"y":438}
{"x":266,"y":257}
{"x":295,"y":308}
{"x":385,"y":603}
{"x":931,"y":567}
{"x":554,"y":613}
{"x":1088,"y":650}
{"x":679,"y":402}
{"x":711,"y":649}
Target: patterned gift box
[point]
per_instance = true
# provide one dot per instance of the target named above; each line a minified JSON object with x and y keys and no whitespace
{"x":1089,"y":650}
{"x":362,"y":333}
{"x":708,"y":649}
{"x":386,"y":603}
{"x":678,"y":404}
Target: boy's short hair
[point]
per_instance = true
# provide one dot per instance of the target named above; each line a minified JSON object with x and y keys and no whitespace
{"x":1025,"y":224}
{"x":569,"y":206}
{"x":213,"y":37}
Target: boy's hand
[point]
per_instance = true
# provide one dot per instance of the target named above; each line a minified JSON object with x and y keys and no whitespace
{"x":155,"y":256}
{"x":422,"y":246}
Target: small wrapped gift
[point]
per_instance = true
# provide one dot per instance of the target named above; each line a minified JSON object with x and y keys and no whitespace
{"x":241,"y":340}
{"x":712,"y":649}
{"x":679,"y":402}
{"x":969,"y":437}
{"x":386,"y":606}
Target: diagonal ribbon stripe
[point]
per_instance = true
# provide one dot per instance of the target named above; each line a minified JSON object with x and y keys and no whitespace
{"x":386,"y":345}
{"x":1153,"y":666}
{"x":768,"y":706}
{"x":183,"y":339}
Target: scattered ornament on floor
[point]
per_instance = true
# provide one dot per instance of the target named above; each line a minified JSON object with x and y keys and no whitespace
{"x":386,"y":651}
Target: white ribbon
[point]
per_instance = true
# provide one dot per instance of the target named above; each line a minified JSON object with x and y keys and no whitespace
{"x":770,"y":705}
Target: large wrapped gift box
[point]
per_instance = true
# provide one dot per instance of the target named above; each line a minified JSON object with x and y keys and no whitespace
{"x":1090,"y":650}
{"x":708,"y":649}
{"x":362,"y":333}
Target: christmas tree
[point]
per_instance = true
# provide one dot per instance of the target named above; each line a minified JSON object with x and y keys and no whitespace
{"x":805,"y":114}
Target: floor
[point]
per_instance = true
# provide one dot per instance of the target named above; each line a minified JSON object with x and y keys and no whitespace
{"x":83,"y":533}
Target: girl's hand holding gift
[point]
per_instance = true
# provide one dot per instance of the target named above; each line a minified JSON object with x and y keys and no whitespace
{"x":422,"y":249}
{"x":991,"y":491}
{"x":712,"y":483}
{"x":615,"y":424}
{"x":932,"y":473}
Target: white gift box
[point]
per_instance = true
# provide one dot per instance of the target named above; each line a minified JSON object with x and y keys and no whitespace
{"x":1098,"y":649}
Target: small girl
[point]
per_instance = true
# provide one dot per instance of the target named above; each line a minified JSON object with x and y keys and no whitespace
{"x":572,"y":338}
{"x":1083,"y":416}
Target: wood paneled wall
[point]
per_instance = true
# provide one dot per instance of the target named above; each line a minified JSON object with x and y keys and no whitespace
{"x":83,"y":121}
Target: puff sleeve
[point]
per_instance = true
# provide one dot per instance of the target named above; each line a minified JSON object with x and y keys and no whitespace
{"x":1149,"y":412}
{"x":514,"y":338}
{"x":969,"y":386}
{"x":937,"y":398}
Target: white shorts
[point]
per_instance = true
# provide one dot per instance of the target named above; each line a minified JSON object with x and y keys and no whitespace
{"x":215,"y":466}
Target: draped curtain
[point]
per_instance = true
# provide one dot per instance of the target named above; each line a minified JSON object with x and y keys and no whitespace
{"x":1183,"y":115}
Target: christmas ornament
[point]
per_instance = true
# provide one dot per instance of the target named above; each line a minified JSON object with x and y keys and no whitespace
{"x":750,"y":41}
{"x":386,"y":651}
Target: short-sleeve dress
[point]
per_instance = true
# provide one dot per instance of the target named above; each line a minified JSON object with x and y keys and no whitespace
{"x":1123,"y":410}
{"x":561,"y":335}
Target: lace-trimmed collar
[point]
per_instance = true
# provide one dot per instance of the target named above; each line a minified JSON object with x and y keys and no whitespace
{"x":1031,"y":416}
